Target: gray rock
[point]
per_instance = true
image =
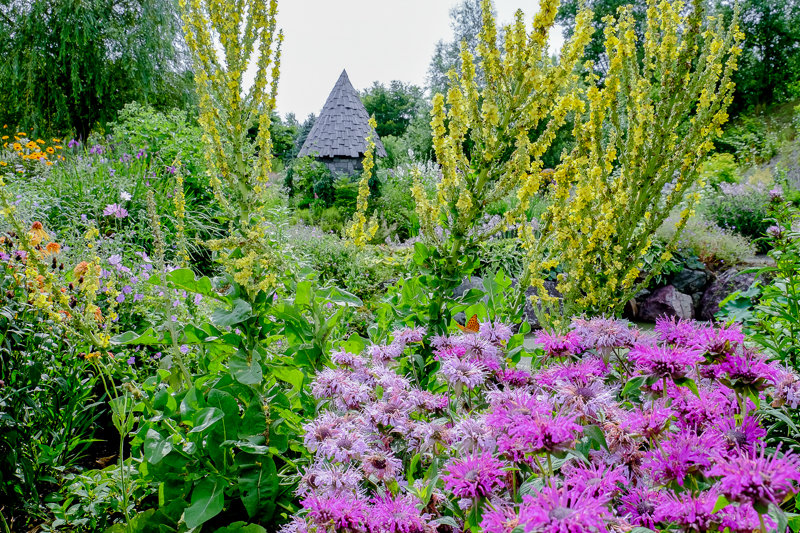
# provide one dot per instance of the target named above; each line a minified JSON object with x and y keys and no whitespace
{"x":528,"y":313}
{"x":666,"y":301}
{"x":473,"y":282}
{"x":726,"y":283}
{"x":689,"y":281}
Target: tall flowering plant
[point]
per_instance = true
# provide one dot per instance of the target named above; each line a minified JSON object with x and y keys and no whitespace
{"x":609,"y":429}
{"x":486,"y":141}
{"x":238,"y":168}
{"x":649,"y":122}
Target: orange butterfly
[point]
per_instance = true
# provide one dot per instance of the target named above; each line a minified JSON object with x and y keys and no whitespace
{"x":472,"y":326}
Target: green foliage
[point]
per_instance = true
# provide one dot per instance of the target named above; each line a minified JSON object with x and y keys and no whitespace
{"x":740,"y":208}
{"x":307,"y":180}
{"x":71,"y":65}
{"x":720,"y":168}
{"x":750,"y":139}
{"x":48,"y":408}
{"x":394,"y":107}
{"x":170,"y":136}
{"x":770,"y":310}
{"x":770,"y":62}
{"x":714,"y":246}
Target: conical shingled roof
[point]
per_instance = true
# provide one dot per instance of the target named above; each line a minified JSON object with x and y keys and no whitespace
{"x":343,"y":126}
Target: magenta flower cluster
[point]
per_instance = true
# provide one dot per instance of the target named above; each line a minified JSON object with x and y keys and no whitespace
{"x":608,"y":428}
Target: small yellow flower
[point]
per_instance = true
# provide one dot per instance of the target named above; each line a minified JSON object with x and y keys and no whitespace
{"x":50,"y":150}
{"x":40,"y":141}
{"x":92,"y":355}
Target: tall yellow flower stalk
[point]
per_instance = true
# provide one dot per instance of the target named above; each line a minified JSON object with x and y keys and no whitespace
{"x":246,"y":33}
{"x":638,"y":149}
{"x":484,"y":134}
{"x":360,"y":230}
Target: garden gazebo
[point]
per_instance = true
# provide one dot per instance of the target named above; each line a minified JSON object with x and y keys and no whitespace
{"x":338,"y":137}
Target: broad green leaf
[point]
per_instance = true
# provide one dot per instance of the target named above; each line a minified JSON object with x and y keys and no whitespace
{"x":241,"y":527}
{"x":722,"y":502}
{"x":303,"y":293}
{"x":595,"y":435}
{"x":156,"y":447}
{"x":259,"y":485}
{"x":240,"y":312}
{"x":183,"y":278}
{"x":245,"y":369}
{"x":205,"y":418}
{"x":207,"y":502}
{"x":149,"y":338}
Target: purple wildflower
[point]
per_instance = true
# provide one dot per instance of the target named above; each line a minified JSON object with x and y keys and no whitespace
{"x":383,"y":465}
{"x":459,"y":373}
{"x":559,"y":346}
{"x":96,"y":149}
{"x":597,"y":481}
{"x":664,"y":361}
{"x":641,"y":504}
{"x":739,"y":436}
{"x":496,"y":333}
{"x":690,"y":512}
{"x":115,"y":210}
{"x":748,"y":371}
{"x":754,"y":478}
{"x":409,"y":335}
{"x":682,"y":454}
{"x":340,"y":513}
{"x":329,"y":480}
{"x":604,"y":334}
{"x":562,"y":511}
{"x":141,"y":153}
{"x":475,"y":476}
{"x":395,"y":515}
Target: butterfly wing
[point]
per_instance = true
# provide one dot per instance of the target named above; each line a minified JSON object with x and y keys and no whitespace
{"x":473,"y":326}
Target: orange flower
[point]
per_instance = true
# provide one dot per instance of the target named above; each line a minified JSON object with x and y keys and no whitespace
{"x":80,"y":269}
{"x":49,"y":150}
{"x":37,"y":233}
{"x":40,"y":141}
{"x":52,"y":248}
{"x":98,"y":315}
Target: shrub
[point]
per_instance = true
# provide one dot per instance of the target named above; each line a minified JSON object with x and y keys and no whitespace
{"x":714,"y":246}
{"x":307,"y":180}
{"x":720,"y":168}
{"x":741,"y":208}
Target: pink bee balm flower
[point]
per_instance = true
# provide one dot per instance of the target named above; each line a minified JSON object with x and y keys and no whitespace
{"x":475,"y":476}
{"x":755,"y":478}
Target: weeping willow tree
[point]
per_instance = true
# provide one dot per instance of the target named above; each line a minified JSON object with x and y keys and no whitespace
{"x":70,"y":64}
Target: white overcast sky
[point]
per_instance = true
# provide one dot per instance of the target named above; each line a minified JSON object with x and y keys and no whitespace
{"x":374,"y":40}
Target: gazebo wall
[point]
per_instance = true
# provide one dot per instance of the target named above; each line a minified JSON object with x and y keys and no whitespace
{"x":343,"y":165}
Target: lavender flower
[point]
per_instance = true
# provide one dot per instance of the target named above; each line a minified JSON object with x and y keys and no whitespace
{"x":559,"y":346}
{"x":395,"y":515}
{"x":342,"y":513}
{"x":664,"y":362}
{"x":604,"y":333}
{"x":753,"y":478}
{"x":459,"y":373}
{"x":383,"y":465}
{"x":690,"y":512}
{"x":475,"y":476}
{"x":563,"y":511}
{"x":682,"y":454}
{"x":115,"y":210}
{"x":409,"y":335}
{"x":329,"y":480}
{"x":641,"y":504}
{"x":497,"y":333}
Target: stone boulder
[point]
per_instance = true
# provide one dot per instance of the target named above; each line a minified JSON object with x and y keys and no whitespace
{"x":727,"y":282}
{"x":473,"y":282}
{"x":528,"y":314}
{"x":690,"y":281}
{"x":667,"y":301}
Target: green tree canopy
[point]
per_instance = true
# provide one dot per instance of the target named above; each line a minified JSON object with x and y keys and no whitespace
{"x":393,"y":107}
{"x":70,"y":64}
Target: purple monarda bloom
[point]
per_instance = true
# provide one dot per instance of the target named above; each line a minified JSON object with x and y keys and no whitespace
{"x":559,"y":346}
{"x":395,"y":515}
{"x":689,"y":511}
{"x":754,"y":478}
{"x":459,"y":373}
{"x":342,"y":513}
{"x":664,"y":361}
{"x":603,"y":333}
{"x":563,"y":511}
{"x":476,"y":476}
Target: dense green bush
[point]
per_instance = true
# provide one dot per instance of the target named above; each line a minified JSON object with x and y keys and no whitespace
{"x":362,"y":271}
{"x":741,"y":208}
{"x":713,"y":245}
{"x":308,"y":180}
